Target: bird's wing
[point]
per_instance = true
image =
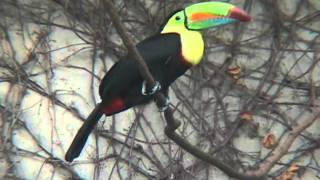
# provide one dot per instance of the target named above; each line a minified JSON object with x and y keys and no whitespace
{"x":155,"y":50}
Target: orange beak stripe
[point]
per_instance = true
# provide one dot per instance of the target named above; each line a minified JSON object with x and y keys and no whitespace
{"x":203,"y":16}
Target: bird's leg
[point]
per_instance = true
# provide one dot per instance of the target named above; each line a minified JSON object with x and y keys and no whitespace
{"x":165,"y":106}
{"x":154,"y":89}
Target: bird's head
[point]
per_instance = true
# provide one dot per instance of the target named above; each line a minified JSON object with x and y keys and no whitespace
{"x":204,"y":15}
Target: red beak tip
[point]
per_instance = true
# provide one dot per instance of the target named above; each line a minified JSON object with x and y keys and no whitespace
{"x":237,"y":13}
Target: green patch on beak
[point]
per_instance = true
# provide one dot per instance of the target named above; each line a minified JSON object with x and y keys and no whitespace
{"x":212,"y":14}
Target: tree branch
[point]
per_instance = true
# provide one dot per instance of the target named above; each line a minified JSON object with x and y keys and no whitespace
{"x":173,"y":124}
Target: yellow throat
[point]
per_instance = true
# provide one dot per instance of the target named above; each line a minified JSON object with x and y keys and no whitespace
{"x":191,"y":42}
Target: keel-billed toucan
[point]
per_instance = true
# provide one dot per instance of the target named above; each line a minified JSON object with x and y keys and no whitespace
{"x":169,"y":54}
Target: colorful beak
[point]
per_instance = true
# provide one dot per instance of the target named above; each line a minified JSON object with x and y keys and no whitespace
{"x":238,"y":14}
{"x":213,"y":14}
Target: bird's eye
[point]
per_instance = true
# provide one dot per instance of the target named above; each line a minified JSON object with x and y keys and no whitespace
{"x":178,"y":18}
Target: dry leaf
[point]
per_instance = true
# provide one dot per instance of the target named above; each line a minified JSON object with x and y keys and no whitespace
{"x":235,"y":72}
{"x":289,"y":173}
{"x":246,"y":116}
{"x":293,"y":168}
{"x":269,"y":141}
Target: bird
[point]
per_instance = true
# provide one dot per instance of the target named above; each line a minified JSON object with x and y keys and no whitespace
{"x":175,"y":48}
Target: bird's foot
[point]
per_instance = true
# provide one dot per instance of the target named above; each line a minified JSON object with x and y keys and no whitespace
{"x":154,"y":89}
{"x":164,"y":107}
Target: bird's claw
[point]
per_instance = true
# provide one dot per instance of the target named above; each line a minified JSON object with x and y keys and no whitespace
{"x":154,"y":89}
{"x":165,"y":106}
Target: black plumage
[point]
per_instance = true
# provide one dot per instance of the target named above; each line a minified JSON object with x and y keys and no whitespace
{"x":120,"y":89}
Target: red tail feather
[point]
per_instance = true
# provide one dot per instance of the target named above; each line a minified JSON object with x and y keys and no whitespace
{"x":114,"y":106}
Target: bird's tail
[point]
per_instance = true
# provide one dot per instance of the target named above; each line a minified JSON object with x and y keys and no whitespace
{"x":83,"y":133}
